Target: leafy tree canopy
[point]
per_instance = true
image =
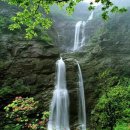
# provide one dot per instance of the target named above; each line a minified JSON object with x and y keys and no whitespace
{"x":33,"y":13}
{"x":112,"y":109}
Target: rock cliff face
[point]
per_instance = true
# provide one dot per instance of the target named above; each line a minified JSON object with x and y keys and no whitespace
{"x":28,"y":70}
{"x":94,"y":61}
{"x":107,"y":49}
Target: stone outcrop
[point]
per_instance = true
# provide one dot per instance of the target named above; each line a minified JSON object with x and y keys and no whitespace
{"x":28,"y":70}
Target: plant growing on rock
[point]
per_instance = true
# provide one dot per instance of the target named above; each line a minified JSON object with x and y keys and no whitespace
{"x":19,"y":115}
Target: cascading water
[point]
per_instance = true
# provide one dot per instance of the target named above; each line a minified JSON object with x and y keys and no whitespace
{"x":83,"y":33}
{"x":59,"y":115}
{"x":82,"y":108}
{"x":90,"y":17}
{"x":80,"y":27}
{"x":59,"y":110}
{"x":77,"y":42}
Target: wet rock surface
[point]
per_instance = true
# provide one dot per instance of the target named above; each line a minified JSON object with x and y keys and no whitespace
{"x":28,"y":70}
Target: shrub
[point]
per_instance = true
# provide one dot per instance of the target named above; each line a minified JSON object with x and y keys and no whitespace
{"x":113,"y":106}
{"x":19,"y":114}
{"x":122,"y":126}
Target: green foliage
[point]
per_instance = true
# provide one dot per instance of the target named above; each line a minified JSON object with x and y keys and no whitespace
{"x":12,"y":127}
{"x":113,"y":106}
{"x":46,"y":39}
{"x":107,"y":79}
{"x":10,"y":90}
{"x":122,"y":126}
{"x":105,"y":15}
{"x":34,"y":13}
{"x":19,"y":114}
{"x":20,"y":108}
{"x":30,"y":16}
{"x":6,"y":90}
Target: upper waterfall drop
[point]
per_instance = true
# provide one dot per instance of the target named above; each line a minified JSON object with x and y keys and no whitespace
{"x":91,"y":16}
{"x":83,"y":33}
{"x":77,"y":35}
{"x":79,"y":38}
{"x":59,"y":109}
{"x":82,"y":107}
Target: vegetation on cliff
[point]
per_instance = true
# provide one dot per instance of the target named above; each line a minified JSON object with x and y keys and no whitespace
{"x":112,"y":109}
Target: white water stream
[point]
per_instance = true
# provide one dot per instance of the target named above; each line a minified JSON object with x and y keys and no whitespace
{"x":79,"y":38}
{"x":59,"y":110}
{"x":82,"y":108}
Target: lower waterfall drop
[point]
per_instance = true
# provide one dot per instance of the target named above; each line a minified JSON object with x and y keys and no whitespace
{"x":82,"y":108}
{"x":59,"y":110}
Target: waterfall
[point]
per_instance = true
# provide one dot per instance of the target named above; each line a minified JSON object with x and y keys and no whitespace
{"x":59,"y":115}
{"x":83,"y":33}
{"x":82,"y":108}
{"x":90,"y":17}
{"x":77,"y":42}
{"x":79,"y":38}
